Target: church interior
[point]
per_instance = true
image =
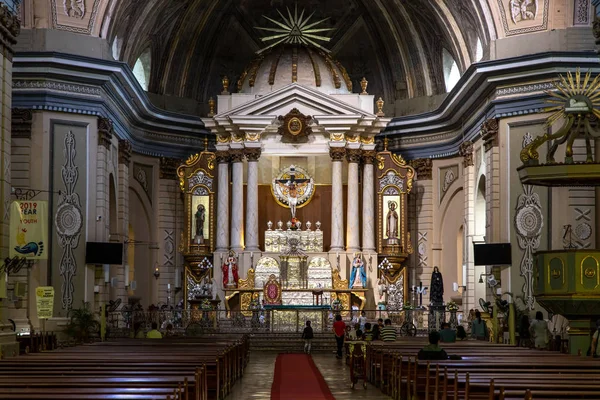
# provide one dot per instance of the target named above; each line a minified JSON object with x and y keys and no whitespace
{"x":230,"y":173}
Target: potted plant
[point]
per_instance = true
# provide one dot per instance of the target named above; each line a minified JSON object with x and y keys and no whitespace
{"x":82,"y":324}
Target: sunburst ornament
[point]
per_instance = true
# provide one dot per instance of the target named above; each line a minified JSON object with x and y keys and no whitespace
{"x":574,"y":95}
{"x":295,"y":29}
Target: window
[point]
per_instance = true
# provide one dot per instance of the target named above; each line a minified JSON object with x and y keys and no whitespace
{"x":141,"y":69}
{"x":478,"y":51}
{"x":451,"y":71}
{"x":116,"y":48}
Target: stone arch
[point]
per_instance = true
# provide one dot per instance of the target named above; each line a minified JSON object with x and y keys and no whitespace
{"x":451,"y":222}
{"x":142,"y":68}
{"x":480,"y":207}
{"x":451,"y":70}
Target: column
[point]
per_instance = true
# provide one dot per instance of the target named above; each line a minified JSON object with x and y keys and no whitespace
{"x":251,"y":237}
{"x":423,"y":220}
{"x":337,"y":199}
{"x":352,"y":228}
{"x":466,"y":151}
{"x":368,"y":202}
{"x":237,"y":200}
{"x":222,"y":202}
{"x":123,"y":214}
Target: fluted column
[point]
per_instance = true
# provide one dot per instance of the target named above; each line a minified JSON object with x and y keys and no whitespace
{"x":237,"y":200}
{"x":337,"y":199}
{"x":352,"y":228}
{"x":251,"y":236}
{"x":368,"y":202}
{"x":223,"y":202}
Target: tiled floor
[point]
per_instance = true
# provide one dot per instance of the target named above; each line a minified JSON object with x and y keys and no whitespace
{"x":258,"y":377}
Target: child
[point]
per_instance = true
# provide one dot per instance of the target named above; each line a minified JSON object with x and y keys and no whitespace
{"x":307,"y":335}
{"x":368,"y":333}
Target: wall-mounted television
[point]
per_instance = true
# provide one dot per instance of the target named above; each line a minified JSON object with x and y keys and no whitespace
{"x":492,"y":254}
{"x":103,"y":253}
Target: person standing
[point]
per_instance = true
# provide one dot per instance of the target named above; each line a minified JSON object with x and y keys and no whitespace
{"x":307,"y":335}
{"x":339,"y":329}
{"x":539,"y":330}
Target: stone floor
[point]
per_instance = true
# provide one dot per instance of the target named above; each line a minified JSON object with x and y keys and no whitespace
{"x":258,"y":377}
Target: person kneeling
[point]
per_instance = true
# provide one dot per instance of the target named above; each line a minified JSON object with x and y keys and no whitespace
{"x":433,"y":351}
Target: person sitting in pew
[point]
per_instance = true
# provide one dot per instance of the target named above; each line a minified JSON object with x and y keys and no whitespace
{"x":154,"y":333}
{"x":447,"y":335}
{"x":388,"y":333}
{"x":479,"y":329}
{"x":138,"y":331}
{"x":433,"y":351}
{"x":461,"y":334}
{"x":368,"y":333}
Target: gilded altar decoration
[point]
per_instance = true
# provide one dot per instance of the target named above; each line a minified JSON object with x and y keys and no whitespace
{"x":343,"y":298}
{"x":272,"y":291}
{"x":295,"y":125}
{"x":293,"y":188}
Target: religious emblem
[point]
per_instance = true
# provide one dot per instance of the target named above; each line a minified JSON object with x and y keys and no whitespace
{"x":74,"y":8}
{"x":523,"y":10}
{"x":293,"y":188}
{"x":294,"y":125}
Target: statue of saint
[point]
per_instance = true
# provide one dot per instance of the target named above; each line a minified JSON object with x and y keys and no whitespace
{"x":358,"y":276}
{"x":230,"y":271}
{"x":436,"y":292}
{"x":392,"y":223}
{"x":200,"y":217}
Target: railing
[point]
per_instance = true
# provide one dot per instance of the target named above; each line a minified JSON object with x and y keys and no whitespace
{"x":195,"y":322}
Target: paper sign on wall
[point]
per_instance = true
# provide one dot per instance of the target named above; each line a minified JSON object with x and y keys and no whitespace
{"x":45,"y":301}
{"x":29,"y":229}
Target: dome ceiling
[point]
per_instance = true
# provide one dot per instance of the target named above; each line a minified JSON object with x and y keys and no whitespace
{"x":396,"y":44}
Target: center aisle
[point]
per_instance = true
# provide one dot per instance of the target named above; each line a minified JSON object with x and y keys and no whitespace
{"x":297,"y":378}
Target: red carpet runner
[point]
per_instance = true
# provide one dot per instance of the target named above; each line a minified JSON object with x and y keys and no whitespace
{"x":298,"y":378}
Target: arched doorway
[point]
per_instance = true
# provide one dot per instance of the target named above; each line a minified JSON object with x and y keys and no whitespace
{"x":142,"y":259}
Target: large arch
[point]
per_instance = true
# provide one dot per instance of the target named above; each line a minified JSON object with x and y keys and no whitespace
{"x":452,"y":220}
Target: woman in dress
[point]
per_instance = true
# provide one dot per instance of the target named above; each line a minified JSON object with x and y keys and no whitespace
{"x":437,"y":287}
{"x":539,"y":331}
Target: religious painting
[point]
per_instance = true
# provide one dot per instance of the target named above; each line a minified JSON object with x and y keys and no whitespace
{"x":391,"y":221}
{"x":523,"y":16}
{"x":200,"y":219}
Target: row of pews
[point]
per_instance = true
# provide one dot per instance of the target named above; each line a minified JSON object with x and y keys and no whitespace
{"x":198,"y":368}
{"x":486,"y":371}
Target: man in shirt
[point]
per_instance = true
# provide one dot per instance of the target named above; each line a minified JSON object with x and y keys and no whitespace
{"x":154,"y":333}
{"x":339,"y":329}
{"x":388,"y":333}
{"x":447,"y":335}
{"x":433,"y":351}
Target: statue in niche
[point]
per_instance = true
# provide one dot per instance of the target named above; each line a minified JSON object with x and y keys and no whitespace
{"x":392,"y":223}
{"x":200,"y":217}
{"x":358,"y":276}
{"x":381,"y":291}
{"x":207,"y":288}
{"x":436,"y":292}
{"x":230,"y":271}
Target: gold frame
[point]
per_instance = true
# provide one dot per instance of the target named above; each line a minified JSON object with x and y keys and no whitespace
{"x":272,"y":281}
{"x":298,"y":205}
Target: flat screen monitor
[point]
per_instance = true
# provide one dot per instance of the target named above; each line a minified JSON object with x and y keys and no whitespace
{"x":492,"y":254}
{"x":103,"y":253}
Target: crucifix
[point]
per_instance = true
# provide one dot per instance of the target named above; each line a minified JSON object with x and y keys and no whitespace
{"x":292,"y":185}
{"x":420,"y":291}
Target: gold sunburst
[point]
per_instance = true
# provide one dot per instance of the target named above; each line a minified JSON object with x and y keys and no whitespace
{"x":295,"y":29}
{"x":574,"y":89}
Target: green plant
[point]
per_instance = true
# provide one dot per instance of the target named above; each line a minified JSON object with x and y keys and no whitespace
{"x":82,"y":324}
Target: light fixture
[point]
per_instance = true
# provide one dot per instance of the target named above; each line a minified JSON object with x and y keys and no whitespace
{"x":156,"y":271}
{"x":482,"y":275}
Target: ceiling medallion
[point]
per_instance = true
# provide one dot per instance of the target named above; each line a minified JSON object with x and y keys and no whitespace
{"x":294,"y":125}
{"x":295,"y":29}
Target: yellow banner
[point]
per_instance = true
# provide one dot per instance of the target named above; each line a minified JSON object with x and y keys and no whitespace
{"x":44,"y":296}
{"x":29,"y":229}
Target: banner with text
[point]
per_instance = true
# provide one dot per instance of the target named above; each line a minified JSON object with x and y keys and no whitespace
{"x":28,"y":229}
{"x":44,"y":296}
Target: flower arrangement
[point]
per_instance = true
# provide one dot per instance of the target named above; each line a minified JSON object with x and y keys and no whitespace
{"x":452,"y":306}
{"x":206,"y":305}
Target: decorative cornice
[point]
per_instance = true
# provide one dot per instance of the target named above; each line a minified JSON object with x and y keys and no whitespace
{"x":9,"y":30}
{"x":368,"y":156}
{"x":105,"y":132}
{"x":21,"y":121}
{"x":489,"y":133}
{"x":168,"y":168}
{"x":236,"y":155}
{"x":337,"y":153}
{"x":423,"y":167}
{"x":466,"y":151}
{"x":124,"y":152}
{"x":252,"y":153}
{"x":222,"y":157}
{"x":353,"y":155}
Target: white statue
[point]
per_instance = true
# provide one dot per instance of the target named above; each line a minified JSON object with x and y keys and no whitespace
{"x":392,"y":223}
{"x":381,"y":290}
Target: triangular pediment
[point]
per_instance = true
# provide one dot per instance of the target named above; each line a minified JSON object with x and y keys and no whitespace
{"x":309,"y":101}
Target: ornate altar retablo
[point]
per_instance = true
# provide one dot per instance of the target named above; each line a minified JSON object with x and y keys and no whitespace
{"x":272,"y":291}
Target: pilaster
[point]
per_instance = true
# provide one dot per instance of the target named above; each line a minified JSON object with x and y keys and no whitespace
{"x":222,"y":158}
{"x":123,"y":215}
{"x":466,"y":151}
{"x":420,"y":221}
{"x":368,"y":201}
{"x":337,"y":199}
{"x":251,"y":236}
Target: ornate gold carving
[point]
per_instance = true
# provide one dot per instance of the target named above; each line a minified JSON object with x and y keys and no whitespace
{"x":556,"y":273}
{"x":223,"y":138}
{"x":246,"y":298}
{"x":236,"y":155}
{"x":336,"y":137}
{"x":466,"y":151}
{"x":345,"y":75}
{"x":254,"y":69}
{"x":363,"y":85}
{"x":489,"y":133}
{"x":423,"y":167}
{"x":252,"y":137}
{"x":225,"y":82}
{"x":409,"y":247}
{"x":294,"y":125}
{"x":380,"y":103}
{"x":192,"y":159}
{"x":105,"y":132}
{"x":352,"y":138}
{"x":369,"y":156}
{"x":589,"y":273}
{"x":398,"y":160}
{"x":237,"y":137}
{"x":124,"y":152}
{"x":21,"y":122}
{"x":240,"y":82}
{"x":168,"y":168}
{"x":337,"y":153}
{"x":210,"y":161}
{"x":294,"y":64}
{"x":367,"y":139}
{"x":380,"y":161}
{"x":252,"y":154}
{"x":211,"y":107}
{"x":353,"y":155}
{"x":339,"y":283}
{"x":336,"y":79}
{"x":222,"y":157}
{"x":274,"y":65}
